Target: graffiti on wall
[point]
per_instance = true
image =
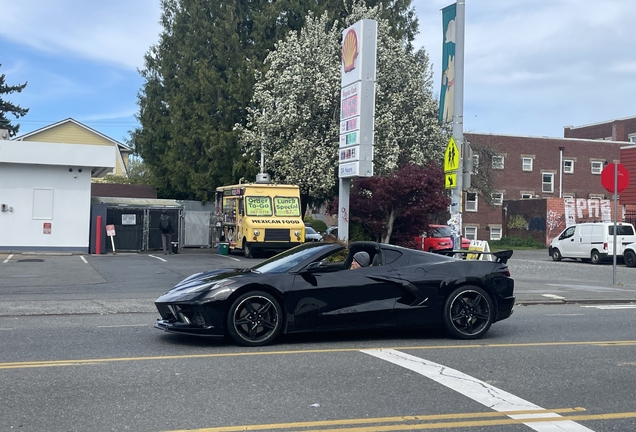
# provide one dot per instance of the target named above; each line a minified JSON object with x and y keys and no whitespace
{"x":582,"y":209}
{"x":553,"y":220}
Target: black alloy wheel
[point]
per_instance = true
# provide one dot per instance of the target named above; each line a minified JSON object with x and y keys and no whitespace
{"x":630,"y":258}
{"x":468,"y":313}
{"x":556,"y":255}
{"x":254,"y":319}
{"x":595,"y":257}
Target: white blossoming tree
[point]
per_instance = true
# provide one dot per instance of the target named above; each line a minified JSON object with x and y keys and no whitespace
{"x":294,"y":114}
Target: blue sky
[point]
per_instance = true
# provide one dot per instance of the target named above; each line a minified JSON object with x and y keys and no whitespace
{"x":532,"y":66}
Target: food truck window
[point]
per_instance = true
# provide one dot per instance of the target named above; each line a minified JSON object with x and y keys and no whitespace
{"x":258,"y":206}
{"x":286,"y":206}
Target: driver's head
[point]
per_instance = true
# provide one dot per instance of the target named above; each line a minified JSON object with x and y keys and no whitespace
{"x":362,"y":258}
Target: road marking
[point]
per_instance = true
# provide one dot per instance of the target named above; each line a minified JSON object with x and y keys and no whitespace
{"x":554,"y":296}
{"x":612,"y":307}
{"x":58,"y":363}
{"x":159,"y":258}
{"x":557,"y":423}
{"x":229,"y":257}
{"x":83,"y":259}
{"x":124,"y":325}
{"x":8,"y":259}
{"x":479,"y":391}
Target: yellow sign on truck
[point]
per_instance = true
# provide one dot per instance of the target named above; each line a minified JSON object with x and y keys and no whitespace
{"x":259,"y":217}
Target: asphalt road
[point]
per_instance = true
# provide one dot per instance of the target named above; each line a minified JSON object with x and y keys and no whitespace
{"x":114,"y":372}
{"x":79,"y":353}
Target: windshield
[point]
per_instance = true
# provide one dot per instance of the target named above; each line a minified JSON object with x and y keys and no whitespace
{"x":286,"y":206}
{"x":441,"y":232}
{"x":285,"y":261}
{"x":310,"y":230}
{"x":258,"y":206}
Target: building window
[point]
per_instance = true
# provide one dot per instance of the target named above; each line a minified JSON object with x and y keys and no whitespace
{"x":597,"y":196}
{"x":495,"y":233}
{"x":497,"y":162}
{"x":568,"y":196}
{"x":547,"y":183}
{"x":526,"y":164}
{"x":471,"y":202}
{"x":525,"y":195}
{"x":470,"y":232}
{"x":497,"y":198}
{"x":568,"y":166}
{"x":475,"y":164}
{"x":632,"y":138}
{"x":597,"y":167}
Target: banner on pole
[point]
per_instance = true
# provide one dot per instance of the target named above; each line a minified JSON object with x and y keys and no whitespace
{"x":446,"y":94}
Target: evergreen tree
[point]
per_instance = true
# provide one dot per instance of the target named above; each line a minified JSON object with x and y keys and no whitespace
{"x":9,"y":108}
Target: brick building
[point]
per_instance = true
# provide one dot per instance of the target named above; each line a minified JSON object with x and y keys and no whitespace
{"x":537,"y":168}
{"x":613,"y":130}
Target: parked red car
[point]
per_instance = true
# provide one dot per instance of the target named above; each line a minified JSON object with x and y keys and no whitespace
{"x":438,"y":238}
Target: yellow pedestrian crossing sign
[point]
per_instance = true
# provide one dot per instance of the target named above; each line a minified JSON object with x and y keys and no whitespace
{"x":450,"y":180}
{"x":451,"y":156}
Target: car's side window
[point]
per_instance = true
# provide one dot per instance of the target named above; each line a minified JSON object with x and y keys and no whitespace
{"x":567,"y":233}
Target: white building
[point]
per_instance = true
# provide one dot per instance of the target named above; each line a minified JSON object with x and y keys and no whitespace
{"x":45,"y":193}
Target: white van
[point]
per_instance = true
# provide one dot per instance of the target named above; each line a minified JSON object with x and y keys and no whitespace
{"x":593,"y":241}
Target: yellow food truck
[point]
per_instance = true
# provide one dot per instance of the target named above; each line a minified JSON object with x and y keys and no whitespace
{"x":260,"y":216}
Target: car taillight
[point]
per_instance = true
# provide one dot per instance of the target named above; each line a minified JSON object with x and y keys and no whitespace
{"x":505,"y":271}
{"x":605,"y":245}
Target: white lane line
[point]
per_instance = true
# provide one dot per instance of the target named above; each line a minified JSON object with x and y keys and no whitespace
{"x":8,"y":259}
{"x":83,"y":259}
{"x":124,"y":325}
{"x":159,"y":258}
{"x":1,"y":329}
{"x":235,"y":259}
{"x":477,"y":390}
{"x":612,"y":307}
{"x":553,"y":296}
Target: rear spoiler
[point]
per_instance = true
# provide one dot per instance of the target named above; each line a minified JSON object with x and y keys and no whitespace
{"x":500,"y":256}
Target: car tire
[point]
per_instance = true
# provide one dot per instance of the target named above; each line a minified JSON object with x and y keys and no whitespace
{"x":254,"y":319}
{"x":431,"y":250}
{"x":595,"y":257}
{"x":630,"y":258}
{"x":247,"y":250}
{"x":556,"y":255}
{"x":468,"y":313}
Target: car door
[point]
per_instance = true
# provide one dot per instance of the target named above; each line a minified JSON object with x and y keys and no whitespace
{"x":344,"y":299}
{"x":567,"y":242}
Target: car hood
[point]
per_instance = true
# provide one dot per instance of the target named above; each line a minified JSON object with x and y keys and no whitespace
{"x":199,"y":283}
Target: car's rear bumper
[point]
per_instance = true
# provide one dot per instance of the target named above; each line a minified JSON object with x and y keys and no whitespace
{"x":505,"y":307}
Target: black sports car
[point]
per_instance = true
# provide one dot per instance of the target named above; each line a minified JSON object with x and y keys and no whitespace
{"x":312,"y":288}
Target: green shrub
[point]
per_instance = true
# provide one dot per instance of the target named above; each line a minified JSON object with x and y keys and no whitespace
{"x":316,"y":224}
{"x":516,"y":241}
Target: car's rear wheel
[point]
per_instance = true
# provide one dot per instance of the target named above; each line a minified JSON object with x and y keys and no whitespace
{"x":630,"y":258}
{"x":468,"y":313}
{"x":595,"y":257}
{"x":556,"y":255}
{"x":254,"y":319}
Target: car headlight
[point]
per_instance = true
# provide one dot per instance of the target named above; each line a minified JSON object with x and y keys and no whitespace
{"x":297,"y":233}
{"x":211,"y":285}
{"x":257,"y":233}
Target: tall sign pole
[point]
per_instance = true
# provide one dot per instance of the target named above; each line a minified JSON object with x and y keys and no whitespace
{"x":357,"y":112}
{"x":457,"y":158}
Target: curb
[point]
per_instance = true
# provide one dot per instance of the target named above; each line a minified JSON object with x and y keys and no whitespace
{"x":580,"y":301}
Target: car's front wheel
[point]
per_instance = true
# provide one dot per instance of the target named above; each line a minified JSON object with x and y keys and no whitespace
{"x":630,"y":258}
{"x":556,"y":255}
{"x":247,"y":250}
{"x":254,"y":319}
{"x":468,"y":313}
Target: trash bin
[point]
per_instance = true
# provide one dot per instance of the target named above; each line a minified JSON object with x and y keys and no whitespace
{"x":224,"y":248}
{"x":175,"y":247}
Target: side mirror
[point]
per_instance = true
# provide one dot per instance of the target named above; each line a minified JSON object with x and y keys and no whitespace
{"x":315,"y":266}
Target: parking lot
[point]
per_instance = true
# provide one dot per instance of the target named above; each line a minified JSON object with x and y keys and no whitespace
{"x":32,"y":284}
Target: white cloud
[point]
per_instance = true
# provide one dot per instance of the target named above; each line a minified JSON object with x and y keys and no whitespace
{"x":117,"y":31}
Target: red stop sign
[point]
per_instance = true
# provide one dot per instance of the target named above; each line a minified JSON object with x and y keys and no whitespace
{"x":607,"y":178}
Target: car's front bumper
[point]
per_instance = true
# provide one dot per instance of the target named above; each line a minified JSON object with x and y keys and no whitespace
{"x":195,"y":319}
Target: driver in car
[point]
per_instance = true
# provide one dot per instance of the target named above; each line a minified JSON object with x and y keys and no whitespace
{"x":360,"y":259}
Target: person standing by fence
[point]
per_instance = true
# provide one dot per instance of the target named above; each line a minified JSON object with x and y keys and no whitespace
{"x":165,"y":226}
